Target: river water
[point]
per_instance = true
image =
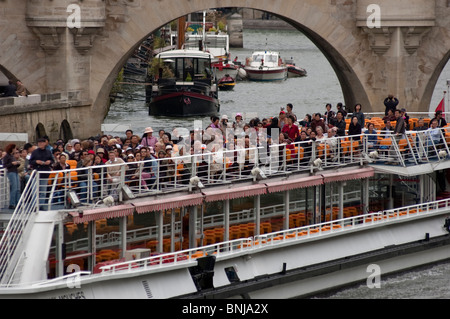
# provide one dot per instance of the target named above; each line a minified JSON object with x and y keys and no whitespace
{"x":308,"y":95}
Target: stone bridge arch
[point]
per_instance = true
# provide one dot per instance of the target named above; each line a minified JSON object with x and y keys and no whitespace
{"x":324,"y":24}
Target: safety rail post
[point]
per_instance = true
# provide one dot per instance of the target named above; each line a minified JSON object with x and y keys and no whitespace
{"x":4,"y":188}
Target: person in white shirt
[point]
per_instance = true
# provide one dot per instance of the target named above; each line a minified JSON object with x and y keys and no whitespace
{"x":113,"y":170}
{"x":434,"y":136}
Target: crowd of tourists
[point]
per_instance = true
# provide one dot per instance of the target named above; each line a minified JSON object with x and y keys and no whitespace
{"x":222,"y":133}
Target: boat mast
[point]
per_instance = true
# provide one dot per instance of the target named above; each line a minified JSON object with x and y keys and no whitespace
{"x":204,"y":31}
{"x":181,"y":31}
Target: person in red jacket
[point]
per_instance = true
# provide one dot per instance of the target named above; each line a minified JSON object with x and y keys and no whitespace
{"x":290,"y":128}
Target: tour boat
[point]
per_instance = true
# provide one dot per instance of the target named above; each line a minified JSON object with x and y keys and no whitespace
{"x":265,"y":66}
{"x":185,"y":85}
{"x":273,"y":221}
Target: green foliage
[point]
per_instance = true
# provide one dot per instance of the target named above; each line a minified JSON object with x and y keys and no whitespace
{"x":158,"y":43}
{"x":117,"y":86}
{"x":154,"y":67}
{"x":222,"y":26}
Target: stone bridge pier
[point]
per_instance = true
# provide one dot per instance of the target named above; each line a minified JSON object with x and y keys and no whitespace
{"x":375,"y":47}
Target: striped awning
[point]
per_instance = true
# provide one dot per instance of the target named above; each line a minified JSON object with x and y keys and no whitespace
{"x":346,"y":175}
{"x":294,"y":183}
{"x":101,"y":213}
{"x":169,"y":203}
{"x":235,"y":192}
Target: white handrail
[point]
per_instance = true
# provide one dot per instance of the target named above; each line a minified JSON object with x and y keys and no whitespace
{"x":274,"y":238}
{"x":12,"y":238}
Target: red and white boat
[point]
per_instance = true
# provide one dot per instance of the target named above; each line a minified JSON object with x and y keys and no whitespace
{"x":294,"y":71}
{"x":225,"y":67}
{"x":265,"y":66}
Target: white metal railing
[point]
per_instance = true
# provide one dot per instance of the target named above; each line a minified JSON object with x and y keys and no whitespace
{"x":148,"y":233}
{"x":4,"y":189}
{"x":412,"y":148}
{"x":92,"y":184}
{"x":155,"y":176}
{"x":274,"y":238}
{"x":12,"y":239}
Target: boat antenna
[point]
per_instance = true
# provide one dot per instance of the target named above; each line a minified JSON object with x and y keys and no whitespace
{"x":204,"y":31}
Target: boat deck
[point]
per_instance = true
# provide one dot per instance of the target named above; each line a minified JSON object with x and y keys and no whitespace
{"x":168,"y":189}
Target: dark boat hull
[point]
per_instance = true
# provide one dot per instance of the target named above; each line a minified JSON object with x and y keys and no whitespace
{"x":226,"y":86}
{"x":183,"y":104}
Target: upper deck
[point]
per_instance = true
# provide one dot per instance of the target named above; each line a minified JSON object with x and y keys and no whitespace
{"x":89,"y":195}
{"x":238,"y":168}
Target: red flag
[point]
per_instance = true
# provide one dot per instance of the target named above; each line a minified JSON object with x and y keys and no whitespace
{"x":441,"y":106}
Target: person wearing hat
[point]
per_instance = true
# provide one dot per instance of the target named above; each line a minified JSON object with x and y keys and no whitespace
{"x":42,"y":160}
{"x":223,"y":125}
{"x":282,"y":119}
{"x":239,"y":123}
{"x":101,"y":153}
{"x":148,"y":139}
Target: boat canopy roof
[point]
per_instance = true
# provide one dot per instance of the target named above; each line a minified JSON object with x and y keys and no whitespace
{"x":185,"y":54}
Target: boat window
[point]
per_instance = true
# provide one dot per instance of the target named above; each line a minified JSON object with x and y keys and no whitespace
{"x":179,"y":74}
{"x":271,"y":58}
{"x":76,"y":246}
{"x":53,"y":257}
{"x":211,"y":221}
{"x":188,"y":69}
{"x":203,"y":68}
{"x":108,"y":237}
{"x":258,"y":57}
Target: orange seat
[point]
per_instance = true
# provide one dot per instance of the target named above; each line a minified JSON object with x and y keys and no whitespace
{"x":345,"y":145}
{"x":72,"y":163}
{"x":52,"y":176}
{"x":323,"y":148}
{"x":385,"y":142}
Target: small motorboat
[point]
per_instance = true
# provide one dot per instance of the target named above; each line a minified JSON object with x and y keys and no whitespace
{"x":295,"y":71}
{"x":226,"y":83}
{"x":265,"y":66}
{"x":225,"y":67}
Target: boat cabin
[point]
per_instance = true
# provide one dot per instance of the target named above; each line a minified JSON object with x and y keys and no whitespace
{"x":265,"y":58}
{"x":184,"y":66}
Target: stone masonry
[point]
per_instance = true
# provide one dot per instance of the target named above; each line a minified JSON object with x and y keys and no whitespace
{"x":403,"y":55}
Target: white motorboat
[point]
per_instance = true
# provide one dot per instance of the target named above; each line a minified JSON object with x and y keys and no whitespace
{"x":265,"y":66}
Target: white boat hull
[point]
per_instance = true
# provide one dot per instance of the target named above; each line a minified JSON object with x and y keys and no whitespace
{"x":266,"y":74}
{"x":231,"y":71}
{"x":284,"y":268}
